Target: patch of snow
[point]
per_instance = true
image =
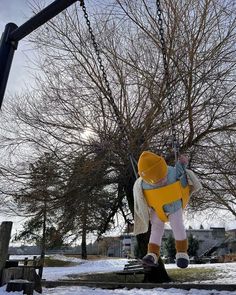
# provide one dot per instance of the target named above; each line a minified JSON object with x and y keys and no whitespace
{"x":228,"y":271}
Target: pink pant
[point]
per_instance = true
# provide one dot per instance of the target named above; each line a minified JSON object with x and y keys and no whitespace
{"x":157,"y":227}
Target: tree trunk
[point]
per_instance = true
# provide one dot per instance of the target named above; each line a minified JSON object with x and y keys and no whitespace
{"x":83,"y":244}
{"x":128,"y":183}
{"x":84,"y":233}
{"x":43,"y":243}
{"x":157,"y":274}
{"x":142,"y":241}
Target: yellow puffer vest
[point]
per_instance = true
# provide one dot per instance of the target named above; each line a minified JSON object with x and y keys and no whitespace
{"x":158,"y":197}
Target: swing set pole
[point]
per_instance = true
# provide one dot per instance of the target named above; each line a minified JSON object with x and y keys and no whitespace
{"x":13,"y":34}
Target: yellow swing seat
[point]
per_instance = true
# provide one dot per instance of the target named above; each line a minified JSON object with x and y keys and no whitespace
{"x":158,"y":197}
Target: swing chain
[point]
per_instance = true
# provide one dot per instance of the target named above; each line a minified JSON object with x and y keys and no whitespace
{"x":175,"y":144}
{"x":95,"y":45}
{"x":108,"y":93}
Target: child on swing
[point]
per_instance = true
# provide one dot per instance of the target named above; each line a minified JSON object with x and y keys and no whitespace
{"x":154,"y":173}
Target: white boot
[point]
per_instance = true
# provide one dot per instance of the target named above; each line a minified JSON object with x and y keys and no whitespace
{"x":182,"y":259}
{"x":150,"y":259}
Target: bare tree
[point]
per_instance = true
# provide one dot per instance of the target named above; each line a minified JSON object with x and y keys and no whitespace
{"x":73,"y":109}
{"x":219,"y":172}
{"x":89,"y":202}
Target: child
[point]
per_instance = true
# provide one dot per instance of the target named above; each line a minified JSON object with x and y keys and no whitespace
{"x":154,"y":173}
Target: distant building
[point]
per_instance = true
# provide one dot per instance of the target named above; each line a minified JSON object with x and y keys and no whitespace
{"x":213,"y":241}
{"x":128,"y":245}
{"x":110,"y":246}
{"x":232,"y":240}
{"x":208,"y":238}
{"x":24,"y":250}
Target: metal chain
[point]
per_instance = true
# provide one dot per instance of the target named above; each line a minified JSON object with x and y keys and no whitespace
{"x":175,"y":144}
{"x":108,"y":93}
{"x":134,"y":165}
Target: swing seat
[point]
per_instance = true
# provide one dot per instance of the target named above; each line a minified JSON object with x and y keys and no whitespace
{"x":158,"y":197}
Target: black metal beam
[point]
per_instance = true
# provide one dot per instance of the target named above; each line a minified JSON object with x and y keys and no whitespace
{"x":40,"y":18}
{"x":13,"y":34}
{"x":7,"y":49}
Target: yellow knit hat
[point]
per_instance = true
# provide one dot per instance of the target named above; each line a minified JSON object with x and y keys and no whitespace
{"x":152,"y":167}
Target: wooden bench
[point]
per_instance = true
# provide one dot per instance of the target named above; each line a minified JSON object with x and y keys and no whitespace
{"x":20,"y":285}
{"x":133,"y":267}
{"x":35,"y":262}
{"x":18,"y":275}
{"x":21,"y":275}
{"x":155,"y":274}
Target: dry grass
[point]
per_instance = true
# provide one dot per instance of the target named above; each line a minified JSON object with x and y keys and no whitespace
{"x":51,"y":262}
{"x":90,"y":257}
{"x":192,"y":274}
{"x":177,"y":275}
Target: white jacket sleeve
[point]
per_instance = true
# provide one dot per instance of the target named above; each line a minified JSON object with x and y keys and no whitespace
{"x":141,"y":209}
{"x":193,"y":181}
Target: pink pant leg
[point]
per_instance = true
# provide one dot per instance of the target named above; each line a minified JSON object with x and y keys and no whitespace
{"x":157,"y":228}
{"x":177,"y":225}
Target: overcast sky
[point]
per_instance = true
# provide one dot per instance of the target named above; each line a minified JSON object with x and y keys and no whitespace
{"x":18,"y":12}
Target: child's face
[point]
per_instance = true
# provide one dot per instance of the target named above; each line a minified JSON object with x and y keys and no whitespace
{"x":160,"y":182}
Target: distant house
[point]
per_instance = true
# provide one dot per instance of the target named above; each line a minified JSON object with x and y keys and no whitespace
{"x":128,"y":245}
{"x":24,"y":250}
{"x":208,"y":238}
{"x":232,"y":240}
{"x":110,"y":246}
{"x":121,"y":246}
{"x":212,"y":240}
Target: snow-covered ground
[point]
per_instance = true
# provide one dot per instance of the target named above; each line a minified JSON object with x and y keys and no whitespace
{"x":228,"y":271}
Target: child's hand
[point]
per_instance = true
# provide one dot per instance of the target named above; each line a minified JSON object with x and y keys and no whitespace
{"x":183,"y":159}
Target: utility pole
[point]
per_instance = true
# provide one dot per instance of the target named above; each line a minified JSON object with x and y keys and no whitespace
{"x":13,"y":34}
